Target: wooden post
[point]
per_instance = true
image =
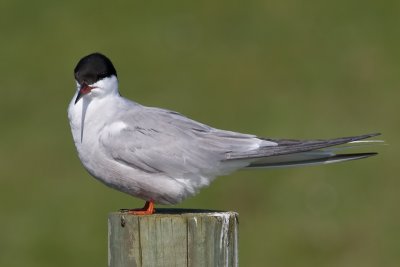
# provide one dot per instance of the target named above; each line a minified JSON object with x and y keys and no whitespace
{"x":173,"y":237}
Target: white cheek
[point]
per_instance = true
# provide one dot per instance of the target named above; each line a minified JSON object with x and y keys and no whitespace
{"x":109,"y":85}
{"x":95,"y":92}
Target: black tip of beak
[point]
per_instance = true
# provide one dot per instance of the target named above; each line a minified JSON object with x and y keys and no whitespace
{"x":83,"y":90}
{"x":79,"y":96}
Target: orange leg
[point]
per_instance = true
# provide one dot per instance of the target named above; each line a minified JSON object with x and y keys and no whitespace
{"x":148,"y":209}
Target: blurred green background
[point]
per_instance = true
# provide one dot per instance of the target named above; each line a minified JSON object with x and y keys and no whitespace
{"x":293,"y":69}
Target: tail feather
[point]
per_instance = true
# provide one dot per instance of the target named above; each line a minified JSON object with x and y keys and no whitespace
{"x":309,"y":162}
{"x":287,"y":146}
{"x":303,"y":152}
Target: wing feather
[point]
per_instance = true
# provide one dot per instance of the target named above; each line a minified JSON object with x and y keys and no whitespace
{"x":157,"y":140}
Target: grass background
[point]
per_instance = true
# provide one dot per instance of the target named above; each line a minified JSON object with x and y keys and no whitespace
{"x":293,"y":69}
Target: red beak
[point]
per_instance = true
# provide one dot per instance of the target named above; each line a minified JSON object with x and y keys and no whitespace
{"x":85,"y":89}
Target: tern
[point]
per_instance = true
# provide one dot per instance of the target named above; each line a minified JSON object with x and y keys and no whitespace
{"x":163,"y":157}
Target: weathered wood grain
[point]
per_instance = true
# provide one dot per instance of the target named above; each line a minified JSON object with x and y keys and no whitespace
{"x":173,"y":237}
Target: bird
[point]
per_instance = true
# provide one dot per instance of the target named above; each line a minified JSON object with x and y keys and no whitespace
{"x":164,"y":157}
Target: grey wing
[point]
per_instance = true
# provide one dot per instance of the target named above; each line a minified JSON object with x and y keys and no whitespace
{"x":156,"y":140}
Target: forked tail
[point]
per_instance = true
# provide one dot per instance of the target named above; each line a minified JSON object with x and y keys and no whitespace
{"x":305,"y":152}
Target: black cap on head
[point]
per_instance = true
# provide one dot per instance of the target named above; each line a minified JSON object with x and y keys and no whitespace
{"x":92,"y":68}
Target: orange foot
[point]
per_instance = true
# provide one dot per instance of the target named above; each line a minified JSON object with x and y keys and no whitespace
{"x":148,"y":209}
